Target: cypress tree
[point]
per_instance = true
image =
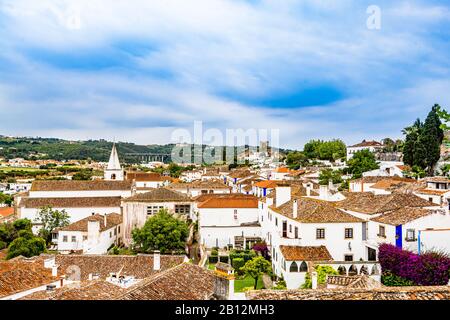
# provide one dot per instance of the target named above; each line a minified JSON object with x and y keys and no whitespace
{"x":429,"y":145}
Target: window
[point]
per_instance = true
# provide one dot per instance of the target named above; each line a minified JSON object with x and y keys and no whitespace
{"x":430,"y":199}
{"x":303,"y":267}
{"x":115,"y":232}
{"x":348,"y":257}
{"x":382,"y":232}
{"x":276,"y":221}
{"x":118,"y":229}
{"x":296,"y":232}
{"x":182,"y":208}
{"x":290,"y":228}
{"x":64,"y":238}
{"x":410,"y":235}
{"x":110,"y":234}
{"x":235,"y":214}
{"x":293,"y":267}
{"x":204,"y":191}
{"x":74,"y":239}
{"x":151,"y":210}
{"x":348,"y":233}
{"x":320,"y":233}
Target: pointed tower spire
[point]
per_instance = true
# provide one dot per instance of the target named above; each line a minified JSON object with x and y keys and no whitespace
{"x":114,"y":163}
{"x":114,"y":169}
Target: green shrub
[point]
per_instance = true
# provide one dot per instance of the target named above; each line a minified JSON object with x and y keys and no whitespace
{"x":223,"y":259}
{"x":322,"y":272}
{"x":391,"y":280}
{"x":214,"y":252}
{"x":3,"y":245}
{"x":237,"y":264}
{"x":213,"y":259}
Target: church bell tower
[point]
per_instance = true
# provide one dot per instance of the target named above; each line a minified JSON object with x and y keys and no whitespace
{"x":114,"y":170}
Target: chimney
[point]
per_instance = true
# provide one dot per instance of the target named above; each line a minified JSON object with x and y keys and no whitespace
{"x":323,"y":192}
{"x":105,"y":220}
{"x":308,"y":190}
{"x":93,"y":230}
{"x":90,"y":277}
{"x":54,"y":271}
{"x":295,"y":209}
{"x":330,"y":184}
{"x":156,"y":260}
{"x":314,"y":279}
{"x":283,"y":195}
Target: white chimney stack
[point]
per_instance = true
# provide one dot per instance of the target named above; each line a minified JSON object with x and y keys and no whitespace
{"x":54,"y":271}
{"x":323,"y":192}
{"x":314,"y":279}
{"x":295,"y":209}
{"x":283,"y":195}
{"x":104,"y":219}
{"x":156,"y":260}
{"x":308,"y":190}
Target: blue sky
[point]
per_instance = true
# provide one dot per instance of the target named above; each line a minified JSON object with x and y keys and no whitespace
{"x":138,"y":70}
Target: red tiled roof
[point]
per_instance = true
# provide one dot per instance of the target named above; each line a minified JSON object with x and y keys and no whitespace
{"x":305,"y":253}
{"x":6,"y":212}
{"x":230,"y":201}
{"x":268,"y":184}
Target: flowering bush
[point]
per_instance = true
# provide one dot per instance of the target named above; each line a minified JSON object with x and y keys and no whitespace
{"x":428,"y":269}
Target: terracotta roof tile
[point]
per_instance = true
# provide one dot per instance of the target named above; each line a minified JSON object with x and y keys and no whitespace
{"x":144,"y":176}
{"x":305,"y":253}
{"x":79,"y":202}
{"x":6,"y":212}
{"x":384,"y":293}
{"x":230,"y":201}
{"x":314,"y":211}
{"x":19,"y":275}
{"x":369,"y":203}
{"x":71,"y":185}
{"x":403,"y":215}
{"x":184,"y":282}
{"x":112,"y":220}
{"x":140,"y":266}
{"x":160,"y":195}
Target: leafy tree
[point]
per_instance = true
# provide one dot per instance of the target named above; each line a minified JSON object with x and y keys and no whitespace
{"x":311,"y":149}
{"x":6,"y":199}
{"x":27,"y":245}
{"x":362,"y":161}
{"x":50,"y":220}
{"x":296,"y":159}
{"x":322,"y":272}
{"x":329,"y":174}
{"x":256,"y":268}
{"x":325,"y":150}
{"x":22,"y":224}
{"x":85,"y":174}
{"x":161,"y":232}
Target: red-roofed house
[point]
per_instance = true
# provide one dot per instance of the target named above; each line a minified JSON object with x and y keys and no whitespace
{"x":229,"y":220}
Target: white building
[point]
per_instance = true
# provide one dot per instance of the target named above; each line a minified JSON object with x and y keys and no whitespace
{"x":437,"y":191}
{"x":388,"y":169}
{"x":137,"y":209}
{"x":92,"y":235}
{"x":114,"y":170}
{"x":372,"y":146}
{"x":401,"y":228}
{"x":196,"y":188}
{"x":146,"y":181}
{"x":228,"y":221}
